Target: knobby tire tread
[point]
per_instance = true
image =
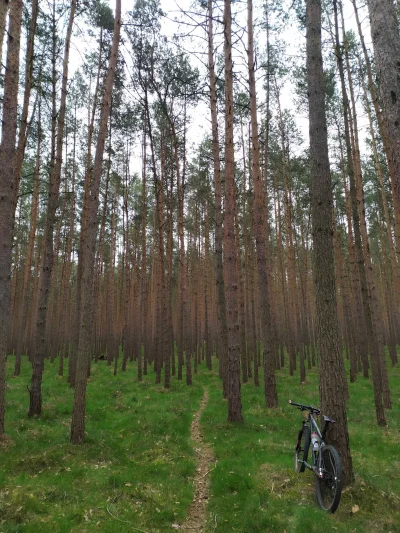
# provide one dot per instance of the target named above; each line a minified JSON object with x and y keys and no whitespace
{"x":333,"y":468}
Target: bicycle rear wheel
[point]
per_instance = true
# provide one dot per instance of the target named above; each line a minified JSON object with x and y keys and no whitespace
{"x":328,"y":487}
{"x":302,"y":447}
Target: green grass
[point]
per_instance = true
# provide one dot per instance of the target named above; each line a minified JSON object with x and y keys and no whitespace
{"x":136,"y":464}
{"x":136,"y":468}
{"x":254,"y":486}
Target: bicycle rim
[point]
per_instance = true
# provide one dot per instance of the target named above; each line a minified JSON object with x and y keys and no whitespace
{"x":329,"y":486}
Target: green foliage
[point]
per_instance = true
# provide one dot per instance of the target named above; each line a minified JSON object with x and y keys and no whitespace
{"x":102,"y":15}
{"x":136,"y":456}
{"x":299,"y":7}
{"x":136,"y":467}
{"x":254,"y":486}
{"x":99,"y":14}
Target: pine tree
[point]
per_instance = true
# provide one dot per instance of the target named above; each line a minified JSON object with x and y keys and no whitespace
{"x":331,"y":373}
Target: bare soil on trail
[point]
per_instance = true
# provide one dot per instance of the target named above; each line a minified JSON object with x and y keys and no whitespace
{"x":197,"y":513}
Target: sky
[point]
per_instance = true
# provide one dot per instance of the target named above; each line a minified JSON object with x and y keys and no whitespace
{"x":290,"y":34}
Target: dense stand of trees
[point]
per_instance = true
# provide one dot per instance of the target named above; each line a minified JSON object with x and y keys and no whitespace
{"x":126,"y":237}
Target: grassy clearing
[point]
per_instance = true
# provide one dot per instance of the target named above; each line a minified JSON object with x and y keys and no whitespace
{"x":135,"y":470}
{"x":135,"y":466}
{"x":254,"y":486}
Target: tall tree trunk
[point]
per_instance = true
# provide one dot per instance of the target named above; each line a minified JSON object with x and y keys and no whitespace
{"x":293,"y":313}
{"x":85,"y":336}
{"x":7,"y":183}
{"x":164,"y":336}
{"x":112,"y":345}
{"x":385,"y":208}
{"x":372,"y":291}
{"x":383,"y":130}
{"x":66,"y":291}
{"x":23,"y":311}
{"x":207,"y":285}
{"x":183,"y":347}
{"x":331,"y":367}
{"x":386,"y":40}
{"x":77,"y":303}
{"x":354,"y":272}
{"x":22,"y":135}
{"x":230,"y":254}
{"x":4,"y":6}
{"x":241,"y":290}
{"x":35,"y":391}
{"x":247,"y":245}
{"x":346,"y":291}
{"x":355,"y":199}
{"x":283,"y":278}
{"x":170,"y":278}
{"x":143,"y":345}
{"x":125,"y":339}
{"x":260,"y":230}
{"x":219,"y":268}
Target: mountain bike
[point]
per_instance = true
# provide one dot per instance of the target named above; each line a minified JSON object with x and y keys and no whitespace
{"x":325,"y":460}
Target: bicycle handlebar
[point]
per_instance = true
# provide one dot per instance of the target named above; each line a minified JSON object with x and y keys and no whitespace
{"x":306,"y":407}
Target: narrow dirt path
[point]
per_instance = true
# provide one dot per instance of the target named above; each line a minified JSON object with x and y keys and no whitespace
{"x":196,"y":517}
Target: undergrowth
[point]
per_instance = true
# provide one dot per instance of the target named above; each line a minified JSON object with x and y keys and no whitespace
{"x":133,"y":471}
{"x":136,"y":468}
{"x":254,"y":486}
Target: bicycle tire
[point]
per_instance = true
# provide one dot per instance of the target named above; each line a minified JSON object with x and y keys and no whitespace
{"x":302,"y":447}
{"x":328,"y":488}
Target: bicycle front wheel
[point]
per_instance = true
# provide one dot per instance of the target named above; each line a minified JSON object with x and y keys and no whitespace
{"x":302,"y":446}
{"x":328,"y":486}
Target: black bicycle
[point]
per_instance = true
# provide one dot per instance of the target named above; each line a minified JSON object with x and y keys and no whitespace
{"x":325,"y":460}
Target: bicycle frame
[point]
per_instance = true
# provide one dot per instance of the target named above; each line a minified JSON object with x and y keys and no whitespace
{"x":315,"y":454}
{"x":325,"y":461}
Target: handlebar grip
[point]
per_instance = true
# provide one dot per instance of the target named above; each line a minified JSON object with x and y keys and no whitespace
{"x":305,"y":407}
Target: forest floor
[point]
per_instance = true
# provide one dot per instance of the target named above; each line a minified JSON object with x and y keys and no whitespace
{"x":196,"y":518}
{"x":137,"y":470}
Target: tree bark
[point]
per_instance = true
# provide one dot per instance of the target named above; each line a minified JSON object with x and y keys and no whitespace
{"x":85,"y":336}
{"x":35,"y":391}
{"x":4,"y":7}
{"x":219,"y":268}
{"x":23,"y":311}
{"x":230,"y":254}
{"x":386,"y":41}
{"x":22,"y":135}
{"x":7,"y":184}
{"x":142,"y":345}
{"x":331,"y":367}
{"x":383,"y":131}
{"x":260,"y":230}
{"x":355,"y":199}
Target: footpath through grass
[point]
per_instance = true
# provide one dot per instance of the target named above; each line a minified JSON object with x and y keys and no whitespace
{"x":137,"y":466}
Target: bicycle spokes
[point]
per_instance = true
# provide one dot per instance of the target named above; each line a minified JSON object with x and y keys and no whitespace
{"x":325,"y":460}
{"x":328,"y":485}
